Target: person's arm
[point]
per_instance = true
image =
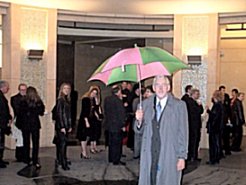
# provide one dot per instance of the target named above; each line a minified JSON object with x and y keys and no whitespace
{"x":41,"y":108}
{"x":59,"y":111}
{"x":13,"y":105}
{"x":240,"y":112}
{"x":182,"y":136}
{"x":139,"y":120}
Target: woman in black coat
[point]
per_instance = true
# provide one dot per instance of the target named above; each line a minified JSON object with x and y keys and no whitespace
{"x":214,"y":127}
{"x":87,"y":127}
{"x":63,"y":124}
{"x":30,"y":109}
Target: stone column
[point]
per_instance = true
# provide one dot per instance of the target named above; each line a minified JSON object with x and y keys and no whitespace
{"x":197,"y":35}
{"x":31,"y":28}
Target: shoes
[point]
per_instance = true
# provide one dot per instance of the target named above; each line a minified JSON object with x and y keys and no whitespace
{"x":4,"y":162}
{"x":228,"y":153}
{"x":236,"y":150}
{"x":28,"y":163}
{"x":82,"y":156}
{"x":212,"y":163}
{"x":3,"y":165}
{"x":119,"y":163}
{"x":57,"y":163}
{"x":98,"y":150}
{"x":123,"y":155}
{"x":93,"y":151}
{"x":19,"y":160}
{"x":37,"y":166}
{"x":65,"y":168}
{"x":198,"y":159}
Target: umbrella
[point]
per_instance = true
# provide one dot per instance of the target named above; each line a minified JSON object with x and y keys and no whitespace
{"x":131,"y":72}
{"x":140,"y":55}
{"x":138,"y":64}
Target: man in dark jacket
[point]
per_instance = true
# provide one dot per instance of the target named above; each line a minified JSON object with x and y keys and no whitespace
{"x":186,"y":98}
{"x":227,"y":125}
{"x":5,"y":119}
{"x":115,"y":121}
{"x":15,"y":103}
{"x":195,"y":124}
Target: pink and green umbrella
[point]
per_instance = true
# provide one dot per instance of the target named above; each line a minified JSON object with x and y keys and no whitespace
{"x":141,"y":55}
{"x":136,"y":64}
{"x":135,"y":72}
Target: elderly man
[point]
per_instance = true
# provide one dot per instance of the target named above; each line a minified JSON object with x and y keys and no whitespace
{"x":164,"y":122}
{"x":5,"y":119}
{"x":15,"y":103}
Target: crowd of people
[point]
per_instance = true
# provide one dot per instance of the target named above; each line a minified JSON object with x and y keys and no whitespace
{"x":224,"y":124}
{"x":162,"y":130}
{"x":27,"y":106}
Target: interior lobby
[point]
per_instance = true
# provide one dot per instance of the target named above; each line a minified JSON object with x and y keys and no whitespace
{"x":77,"y":36}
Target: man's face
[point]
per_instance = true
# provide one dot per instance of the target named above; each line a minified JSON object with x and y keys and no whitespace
{"x":241,"y":97}
{"x":196,"y":95}
{"x":233,"y":94}
{"x":5,"y":88}
{"x":124,"y":85}
{"x":22,"y":90}
{"x":222,"y":90}
{"x":161,"y":87}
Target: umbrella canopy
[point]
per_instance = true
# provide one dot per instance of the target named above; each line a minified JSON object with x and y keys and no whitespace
{"x":135,"y":72}
{"x":136,"y":64}
{"x":139,"y":55}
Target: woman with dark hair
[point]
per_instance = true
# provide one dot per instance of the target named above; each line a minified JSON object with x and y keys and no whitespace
{"x":214,"y":127}
{"x":63,"y":124}
{"x":30,"y":109}
{"x":87,"y":122}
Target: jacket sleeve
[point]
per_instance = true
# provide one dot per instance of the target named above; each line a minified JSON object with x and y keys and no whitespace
{"x":59,"y":112}
{"x":40,"y":108}
{"x":182,"y":131}
{"x":240,"y":113}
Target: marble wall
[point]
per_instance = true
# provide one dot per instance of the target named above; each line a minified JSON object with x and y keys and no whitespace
{"x":31,"y":28}
{"x":33,"y":35}
{"x":197,"y":35}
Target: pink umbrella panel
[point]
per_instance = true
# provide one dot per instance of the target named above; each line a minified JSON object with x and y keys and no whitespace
{"x":139,"y":55}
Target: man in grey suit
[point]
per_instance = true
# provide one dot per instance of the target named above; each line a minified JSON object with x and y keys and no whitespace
{"x":163,"y":121}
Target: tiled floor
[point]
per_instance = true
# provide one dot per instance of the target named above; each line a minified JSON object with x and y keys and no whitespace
{"x":97,"y":171}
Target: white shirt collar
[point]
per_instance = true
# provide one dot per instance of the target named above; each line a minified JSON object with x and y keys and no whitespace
{"x":163,"y":102}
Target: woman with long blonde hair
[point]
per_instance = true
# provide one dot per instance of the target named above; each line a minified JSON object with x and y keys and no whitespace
{"x":63,"y":124}
{"x":214,"y":127}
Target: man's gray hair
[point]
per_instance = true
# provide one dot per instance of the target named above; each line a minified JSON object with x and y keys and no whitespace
{"x":161,"y":77}
{"x":3,"y":83}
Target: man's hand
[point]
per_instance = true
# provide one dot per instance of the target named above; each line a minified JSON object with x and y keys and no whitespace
{"x":123,"y":129}
{"x":87,"y":124}
{"x":180,"y":164}
{"x":139,"y":116}
{"x":63,"y":130}
{"x":69,"y":130}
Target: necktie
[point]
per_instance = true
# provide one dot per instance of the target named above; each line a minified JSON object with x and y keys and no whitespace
{"x":158,"y":111}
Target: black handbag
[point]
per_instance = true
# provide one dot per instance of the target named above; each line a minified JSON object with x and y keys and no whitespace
{"x":7,"y":130}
